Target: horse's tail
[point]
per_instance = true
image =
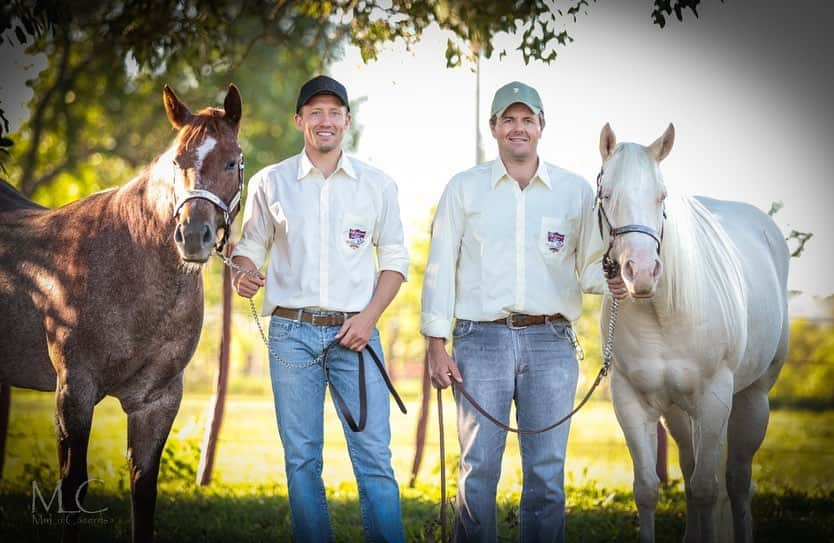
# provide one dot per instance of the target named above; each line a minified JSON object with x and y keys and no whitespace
{"x":11,"y":199}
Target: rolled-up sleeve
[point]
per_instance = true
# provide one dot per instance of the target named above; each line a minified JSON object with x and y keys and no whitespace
{"x":391,"y":251}
{"x":258,"y":230}
{"x":590,"y":250}
{"x":438,"y":300}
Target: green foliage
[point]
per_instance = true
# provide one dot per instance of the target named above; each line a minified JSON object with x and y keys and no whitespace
{"x":807,"y":376}
{"x":794,"y":497}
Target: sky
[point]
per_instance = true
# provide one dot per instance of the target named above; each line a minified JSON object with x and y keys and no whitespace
{"x":747,"y":85}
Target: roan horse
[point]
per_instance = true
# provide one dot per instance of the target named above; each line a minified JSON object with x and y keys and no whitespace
{"x":702,"y":337}
{"x":104,"y":296}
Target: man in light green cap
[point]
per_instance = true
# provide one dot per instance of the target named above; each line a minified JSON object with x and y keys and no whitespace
{"x":513,"y":246}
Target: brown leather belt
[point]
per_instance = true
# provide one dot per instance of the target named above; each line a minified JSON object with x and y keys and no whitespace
{"x":316,"y":319}
{"x":519,"y":320}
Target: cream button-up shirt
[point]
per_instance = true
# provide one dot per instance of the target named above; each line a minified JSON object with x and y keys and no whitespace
{"x":320,"y":234}
{"x":497,"y":249}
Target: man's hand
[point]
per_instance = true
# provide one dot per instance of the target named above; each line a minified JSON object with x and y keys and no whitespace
{"x":355,"y":332}
{"x":618,"y":288}
{"x":442,"y":368}
{"x":245,"y":284}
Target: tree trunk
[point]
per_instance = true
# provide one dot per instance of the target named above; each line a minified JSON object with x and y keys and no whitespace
{"x":662,"y":454}
{"x":422,"y":420}
{"x":218,"y":401}
{"x":5,"y":407}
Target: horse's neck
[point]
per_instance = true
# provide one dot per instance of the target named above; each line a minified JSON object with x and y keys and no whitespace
{"x":146,"y":206}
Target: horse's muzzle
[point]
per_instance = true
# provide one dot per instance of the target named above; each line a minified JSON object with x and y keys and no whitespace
{"x":195,"y":240}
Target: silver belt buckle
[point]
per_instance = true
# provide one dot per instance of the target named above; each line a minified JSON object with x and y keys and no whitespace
{"x":510,"y":324}
{"x":315,"y":319}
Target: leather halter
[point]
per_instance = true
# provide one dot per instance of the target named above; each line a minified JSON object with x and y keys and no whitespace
{"x":229,"y":210}
{"x":611,"y":267}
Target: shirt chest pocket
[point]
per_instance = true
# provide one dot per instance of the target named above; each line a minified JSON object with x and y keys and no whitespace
{"x":557,"y":238}
{"x":355,"y":233}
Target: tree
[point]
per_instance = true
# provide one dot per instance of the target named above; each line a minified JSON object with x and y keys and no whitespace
{"x":87,"y":37}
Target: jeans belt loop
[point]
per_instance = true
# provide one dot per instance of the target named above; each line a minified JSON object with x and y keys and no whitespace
{"x":300,"y":315}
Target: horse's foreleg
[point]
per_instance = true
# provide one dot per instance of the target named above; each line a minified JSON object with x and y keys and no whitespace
{"x":680,"y":426}
{"x":710,"y":430}
{"x":75,"y":400}
{"x":639,"y":423}
{"x":748,"y":423}
{"x":148,"y":426}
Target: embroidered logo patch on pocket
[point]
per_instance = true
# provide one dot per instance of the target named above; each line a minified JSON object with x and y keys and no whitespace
{"x":356,"y":237}
{"x":555,"y":241}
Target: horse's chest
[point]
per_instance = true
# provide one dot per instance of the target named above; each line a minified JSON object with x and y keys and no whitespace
{"x":662,"y":368}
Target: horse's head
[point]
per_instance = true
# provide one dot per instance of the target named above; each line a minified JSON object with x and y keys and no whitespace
{"x":631,"y":208}
{"x":208,"y":174}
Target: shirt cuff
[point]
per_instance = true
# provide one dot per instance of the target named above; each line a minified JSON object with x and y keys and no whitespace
{"x":432,"y":326}
{"x":393,"y":258}
{"x":251,"y":250}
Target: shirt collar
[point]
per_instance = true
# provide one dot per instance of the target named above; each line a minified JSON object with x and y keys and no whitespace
{"x":499,"y":172}
{"x":345,"y":164}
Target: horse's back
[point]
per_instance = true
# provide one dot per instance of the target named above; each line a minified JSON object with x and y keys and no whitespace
{"x":764,"y":257}
{"x":11,"y":199}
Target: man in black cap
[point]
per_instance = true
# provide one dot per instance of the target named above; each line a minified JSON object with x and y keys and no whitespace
{"x":317,"y":216}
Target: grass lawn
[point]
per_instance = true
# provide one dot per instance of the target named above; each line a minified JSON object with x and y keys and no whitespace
{"x":247,"y":500}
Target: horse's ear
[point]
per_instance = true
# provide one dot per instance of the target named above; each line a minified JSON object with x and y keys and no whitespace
{"x":661,"y":147}
{"x":607,"y":142}
{"x":178,"y":113}
{"x":233,"y":106}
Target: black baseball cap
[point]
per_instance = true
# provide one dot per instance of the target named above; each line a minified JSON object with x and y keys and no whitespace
{"x":321,"y":85}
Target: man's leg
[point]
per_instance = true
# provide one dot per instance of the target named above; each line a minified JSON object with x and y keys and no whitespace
{"x":370,"y":453}
{"x":485,"y":356}
{"x":299,"y":405}
{"x":546,"y":382}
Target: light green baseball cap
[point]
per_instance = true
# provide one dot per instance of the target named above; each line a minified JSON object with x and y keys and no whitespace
{"x":515,"y":93}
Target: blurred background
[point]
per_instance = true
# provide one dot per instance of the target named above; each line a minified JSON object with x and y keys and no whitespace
{"x":746,"y":83}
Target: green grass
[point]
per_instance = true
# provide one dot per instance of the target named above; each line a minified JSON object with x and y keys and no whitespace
{"x":247,"y":500}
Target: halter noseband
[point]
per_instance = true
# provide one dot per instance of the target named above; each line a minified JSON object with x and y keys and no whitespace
{"x":609,"y":265}
{"x":229,"y":210}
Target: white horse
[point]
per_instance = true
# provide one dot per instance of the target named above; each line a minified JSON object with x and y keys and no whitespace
{"x":702,"y":336}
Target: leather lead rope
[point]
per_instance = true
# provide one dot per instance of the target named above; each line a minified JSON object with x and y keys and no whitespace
{"x":442,"y":466}
{"x":363,"y":400}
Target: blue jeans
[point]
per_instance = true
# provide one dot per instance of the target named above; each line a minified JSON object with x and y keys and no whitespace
{"x":536,"y":368}
{"x":299,"y":405}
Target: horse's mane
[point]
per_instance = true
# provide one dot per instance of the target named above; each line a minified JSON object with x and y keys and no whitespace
{"x":702,"y":264}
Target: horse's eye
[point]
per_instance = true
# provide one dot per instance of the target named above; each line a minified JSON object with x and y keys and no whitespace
{"x":231,"y":164}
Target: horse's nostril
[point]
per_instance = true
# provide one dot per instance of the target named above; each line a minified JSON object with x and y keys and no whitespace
{"x":658,"y":267}
{"x":178,"y":234}
{"x":206,"y":234}
{"x":628,"y":271}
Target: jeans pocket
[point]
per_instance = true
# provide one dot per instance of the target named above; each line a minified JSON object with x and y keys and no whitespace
{"x":280,"y":328}
{"x":561,"y":330}
{"x":462,"y":328}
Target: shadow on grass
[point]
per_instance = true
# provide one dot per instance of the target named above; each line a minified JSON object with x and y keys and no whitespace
{"x":262,"y":514}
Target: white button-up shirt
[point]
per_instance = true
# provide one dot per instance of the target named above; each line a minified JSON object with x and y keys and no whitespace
{"x":318,"y":233}
{"x":497,"y":249}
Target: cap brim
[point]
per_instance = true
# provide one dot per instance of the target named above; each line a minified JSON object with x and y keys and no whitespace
{"x":536,"y":110}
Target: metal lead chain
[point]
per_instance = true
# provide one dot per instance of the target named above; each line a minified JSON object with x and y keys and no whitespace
{"x":608,"y":352}
{"x":319,"y":359}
